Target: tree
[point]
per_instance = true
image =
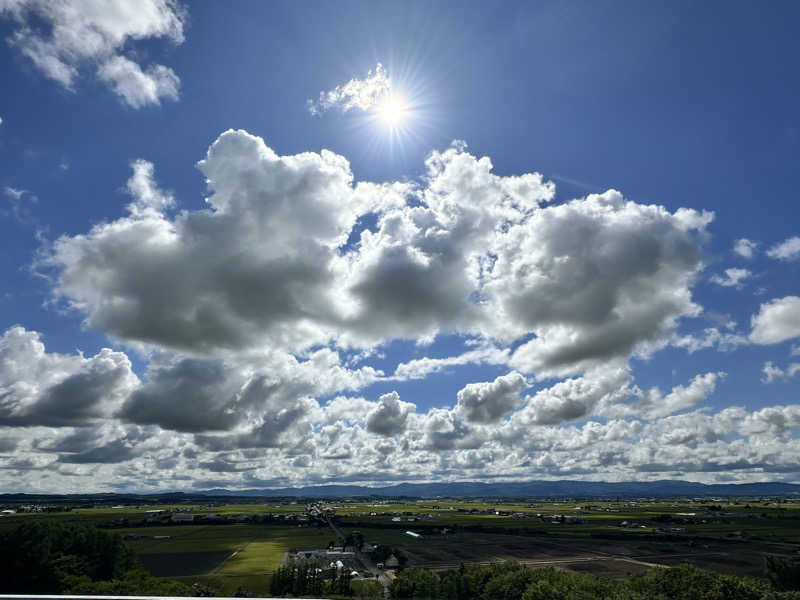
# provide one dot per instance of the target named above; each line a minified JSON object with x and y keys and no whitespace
{"x":415,"y":584}
{"x":783,"y":571}
{"x":39,"y":556}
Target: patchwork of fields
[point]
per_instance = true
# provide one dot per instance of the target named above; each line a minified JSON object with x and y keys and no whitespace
{"x":605,"y":538}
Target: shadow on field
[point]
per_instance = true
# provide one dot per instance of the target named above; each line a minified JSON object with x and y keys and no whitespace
{"x":182,"y":563}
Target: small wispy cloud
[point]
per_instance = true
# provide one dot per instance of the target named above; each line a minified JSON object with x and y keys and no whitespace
{"x":360,"y":94}
{"x":733,"y":277}
{"x":20,"y":202}
{"x":789,"y":249}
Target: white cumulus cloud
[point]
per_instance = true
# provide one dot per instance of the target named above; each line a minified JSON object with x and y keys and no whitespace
{"x":777,"y":320}
{"x":390,"y":415}
{"x":63,"y":39}
{"x":789,"y":249}
{"x":745,"y":248}
{"x":488,"y":402}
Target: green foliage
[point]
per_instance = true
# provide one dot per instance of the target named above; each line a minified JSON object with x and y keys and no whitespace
{"x":511,"y":581}
{"x":690,"y":583}
{"x":366,"y":589}
{"x":38,"y":556}
{"x":133,"y":582}
{"x":783,"y":572}
{"x":415,"y":584}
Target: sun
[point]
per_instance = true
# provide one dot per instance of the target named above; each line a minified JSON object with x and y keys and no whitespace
{"x":392,"y":111}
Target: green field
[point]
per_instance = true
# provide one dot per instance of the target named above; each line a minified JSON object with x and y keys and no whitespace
{"x":611,"y":538}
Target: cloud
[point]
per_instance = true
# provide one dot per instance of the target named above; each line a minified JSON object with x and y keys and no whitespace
{"x":595,"y":278}
{"x":488,"y":402}
{"x":43,"y":388}
{"x":361,"y":94}
{"x":200,"y":395}
{"x":64,"y":39}
{"x":147,"y":196}
{"x":190,"y":395}
{"x":21,"y":201}
{"x":420,"y":368}
{"x":745,"y":248}
{"x":256,"y":311}
{"x":777,"y":320}
{"x":733,"y":277}
{"x":277,"y":259}
{"x":787,"y":250}
{"x":773,"y":373}
{"x":139,"y":88}
{"x":575,"y":398}
{"x":712,"y":337}
{"x":389,"y":417}
{"x":258,"y":264}
{"x":653,"y":404}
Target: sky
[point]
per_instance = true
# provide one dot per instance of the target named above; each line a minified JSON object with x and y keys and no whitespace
{"x":277,"y":244}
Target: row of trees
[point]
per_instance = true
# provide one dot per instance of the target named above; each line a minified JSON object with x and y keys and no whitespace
{"x":511,"y":581}
{"x":309,"y":578}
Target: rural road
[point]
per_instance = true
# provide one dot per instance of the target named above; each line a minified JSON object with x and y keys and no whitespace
{"x":365,"y":560}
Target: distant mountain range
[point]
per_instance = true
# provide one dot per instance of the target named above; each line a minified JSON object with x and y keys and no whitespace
{"x":467,"y":489}
{"x":528,"y":489}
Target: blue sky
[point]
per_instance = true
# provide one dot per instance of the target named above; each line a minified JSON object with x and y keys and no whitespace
{"x":278,"y":298}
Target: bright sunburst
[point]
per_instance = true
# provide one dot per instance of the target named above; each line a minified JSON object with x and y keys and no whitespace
{"x":394,"y":107}
{"x":392,"y":110}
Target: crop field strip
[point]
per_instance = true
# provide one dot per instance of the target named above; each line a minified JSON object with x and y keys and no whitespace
{"x":731,"y":537}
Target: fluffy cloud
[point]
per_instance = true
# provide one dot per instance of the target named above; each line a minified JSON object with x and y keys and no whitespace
{"x":488,"y":402}
{"x":147,"y":196}
{"x":777,"y":320}
{"x":576,"y":398}
{"x":271,"y":262}
{"x":745,"y":248}
{"x":653,"y":403}
{"x":733,"y":277}
{"x":136,"y":87}
{"x":389,"y":417}
{"x":259,"y":263}
{"x":595,"y":279}
{"x":789,"y":249}
{"x":256,"y":311}
{"x":64,"y":38}
{"x":209,"y":394}
{"x":361,"y":94}
{"x":772,"y":372}
{"x":42,"y":388}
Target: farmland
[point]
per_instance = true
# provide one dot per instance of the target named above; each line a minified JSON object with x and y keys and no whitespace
{"x":227,"y":546}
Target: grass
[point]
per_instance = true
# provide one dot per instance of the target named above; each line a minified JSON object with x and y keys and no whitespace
{"x":259,"y":558}
{"x":264,"y":555}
